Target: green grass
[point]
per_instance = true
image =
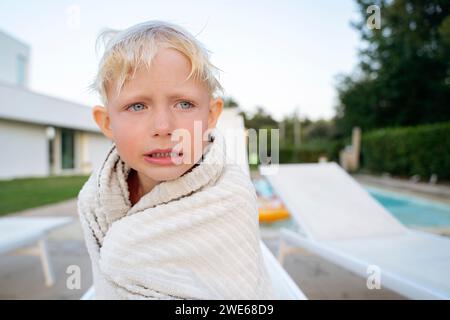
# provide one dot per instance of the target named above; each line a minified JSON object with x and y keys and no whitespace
{"x":24,"y":193}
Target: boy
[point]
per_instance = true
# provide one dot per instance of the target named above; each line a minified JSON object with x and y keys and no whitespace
{"x":165,"y":221}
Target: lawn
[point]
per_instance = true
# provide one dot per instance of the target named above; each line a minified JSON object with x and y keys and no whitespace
{"x":24,"y":193}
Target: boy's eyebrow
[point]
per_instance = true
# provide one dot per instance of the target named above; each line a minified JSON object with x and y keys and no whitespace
{"x":171,"y":97}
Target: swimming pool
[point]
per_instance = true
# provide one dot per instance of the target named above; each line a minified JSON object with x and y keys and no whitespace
{"x":411,"y":211}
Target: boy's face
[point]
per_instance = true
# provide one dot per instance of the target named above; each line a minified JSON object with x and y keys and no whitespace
{"x":150,"y":107}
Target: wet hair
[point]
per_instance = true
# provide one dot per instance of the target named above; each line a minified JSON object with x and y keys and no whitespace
{"x":125,"y":51}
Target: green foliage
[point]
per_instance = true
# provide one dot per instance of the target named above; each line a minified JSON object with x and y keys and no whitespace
{"x":319,"y":138}
{"x":320,"y":129}
{"x":310,"y":151}
{"x":422,"y":150}
{"x":303,"y":154}
{"x":229,"y":102}
{"x":259,"y":120}
{"x":404,"y":71}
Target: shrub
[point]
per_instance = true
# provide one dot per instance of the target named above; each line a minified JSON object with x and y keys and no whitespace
{"x":407,"y":151}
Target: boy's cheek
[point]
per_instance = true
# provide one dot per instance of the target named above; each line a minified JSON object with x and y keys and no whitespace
{"x":129,"y":141}
{"x":128,"y":151}
{"x":125,"y":138}
{"x":123,"y":130}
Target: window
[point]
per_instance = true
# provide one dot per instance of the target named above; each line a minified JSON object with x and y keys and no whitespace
{"x":21,"y":70}
{"x":50,"y":132}
{"x":67,"y":149}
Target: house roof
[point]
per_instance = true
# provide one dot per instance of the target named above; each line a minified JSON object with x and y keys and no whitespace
{"x":21,"y":104}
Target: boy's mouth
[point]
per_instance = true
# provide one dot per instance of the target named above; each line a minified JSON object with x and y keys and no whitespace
{"x":165,"y":157}
{"x":164,"y":153}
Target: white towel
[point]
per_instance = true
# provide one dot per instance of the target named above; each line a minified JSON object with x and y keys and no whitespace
{"x":194,"y":237}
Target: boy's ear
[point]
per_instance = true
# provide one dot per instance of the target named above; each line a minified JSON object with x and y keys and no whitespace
{"x":215,"y":110}
{"x":101,"y":117}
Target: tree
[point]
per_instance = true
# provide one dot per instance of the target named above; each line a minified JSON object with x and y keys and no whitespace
{"x":229,"y":102}
{"x":260,"y":120}
{"x":403,"y":76}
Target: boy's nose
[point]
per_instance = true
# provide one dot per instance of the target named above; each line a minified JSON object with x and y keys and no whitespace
{"x":161,"y":124}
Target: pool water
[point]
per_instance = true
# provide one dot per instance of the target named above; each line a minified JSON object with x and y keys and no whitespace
{"x":413,"y":211}
{"x":263,"y":188}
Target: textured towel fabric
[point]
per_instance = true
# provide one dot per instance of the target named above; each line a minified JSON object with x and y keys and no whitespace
{"x":194,"y":237}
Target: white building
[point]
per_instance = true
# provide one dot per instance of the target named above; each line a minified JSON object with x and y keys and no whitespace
{"x":14,"y":61}
{"x":41,"y":135}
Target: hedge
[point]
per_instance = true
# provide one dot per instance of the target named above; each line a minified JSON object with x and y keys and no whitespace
{"x":423,"y":150}
{"x":310,"y":151}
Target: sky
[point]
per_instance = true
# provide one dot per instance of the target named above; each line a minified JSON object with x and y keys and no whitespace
{"x":281,"y":55}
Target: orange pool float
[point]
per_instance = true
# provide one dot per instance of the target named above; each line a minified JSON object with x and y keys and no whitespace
{"x":272,"y":210}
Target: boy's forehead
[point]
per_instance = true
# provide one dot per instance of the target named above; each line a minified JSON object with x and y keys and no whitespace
{"x":143,"y":85}
{"x":166,"y":75}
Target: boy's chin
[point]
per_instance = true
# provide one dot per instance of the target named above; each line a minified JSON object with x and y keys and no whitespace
{"x":165,"y":173}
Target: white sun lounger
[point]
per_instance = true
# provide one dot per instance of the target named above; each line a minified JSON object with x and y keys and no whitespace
{"x":231,"y":124}
{"x":339,"y":221}
{"x":27,"y":236}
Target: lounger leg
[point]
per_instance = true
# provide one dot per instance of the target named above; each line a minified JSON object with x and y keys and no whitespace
{"x":281,"y":251}
{"x":46,"y":264}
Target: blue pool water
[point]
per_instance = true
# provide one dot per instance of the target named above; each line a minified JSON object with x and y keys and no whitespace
{"x":411,"y":211}
{"x":263,"y":188}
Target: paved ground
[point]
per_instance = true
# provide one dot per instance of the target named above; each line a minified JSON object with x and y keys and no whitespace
{"x":21,"y":277}
{"x":320,"y":279}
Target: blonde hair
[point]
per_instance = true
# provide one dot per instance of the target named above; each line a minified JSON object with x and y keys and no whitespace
{"x":128,"y":49}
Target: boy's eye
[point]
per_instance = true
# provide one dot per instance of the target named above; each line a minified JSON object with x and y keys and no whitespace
{"x":186,"y":105}
{"x":140,"y":106}
{"x":136,"y":107}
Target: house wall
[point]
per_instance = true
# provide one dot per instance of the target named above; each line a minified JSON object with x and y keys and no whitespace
{"x":26,"y":115}
{"x":12,"y":51}
{"x":91,"y":150}
{"x":23,"y":150}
